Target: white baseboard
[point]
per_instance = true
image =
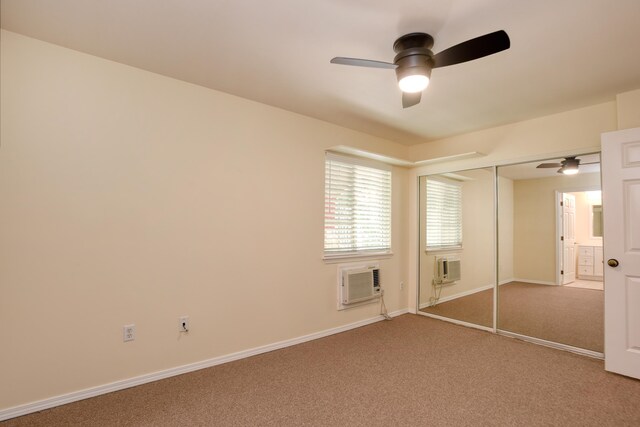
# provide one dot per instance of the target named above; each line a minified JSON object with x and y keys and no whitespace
{"x":484,"y":288}
{"x":456,"y":321}
{"x":536,"y":282}
{"x":459,"y":295}
{"x":63,"y":399}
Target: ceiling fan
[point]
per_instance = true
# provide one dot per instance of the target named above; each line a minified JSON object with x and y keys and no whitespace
{"x":569,"y":166}
{"x":414,"y":59}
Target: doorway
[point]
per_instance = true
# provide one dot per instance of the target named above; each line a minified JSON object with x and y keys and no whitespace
{"x":580,"y":256}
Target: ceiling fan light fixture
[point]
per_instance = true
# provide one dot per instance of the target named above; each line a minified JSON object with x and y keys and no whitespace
{"x":414,"y":69}
{"x":570,"y":169}
{"x":414,"y":83}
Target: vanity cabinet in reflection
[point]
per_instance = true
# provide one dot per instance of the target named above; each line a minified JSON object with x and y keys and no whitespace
{"x":590,"y":262}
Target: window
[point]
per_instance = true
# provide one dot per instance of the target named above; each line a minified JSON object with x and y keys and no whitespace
{"x":357,"y":207}
{"x":444,"y":215}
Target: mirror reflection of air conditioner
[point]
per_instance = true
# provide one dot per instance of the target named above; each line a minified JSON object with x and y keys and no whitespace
{"x":360,"y":284}
{"x":447,"y":270}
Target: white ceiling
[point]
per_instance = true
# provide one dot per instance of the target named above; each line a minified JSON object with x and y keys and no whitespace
{"x":564,"y":54}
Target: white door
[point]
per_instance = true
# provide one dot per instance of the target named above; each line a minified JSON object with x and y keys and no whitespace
{"x":568,"y":238}
{"x":621,"y":204}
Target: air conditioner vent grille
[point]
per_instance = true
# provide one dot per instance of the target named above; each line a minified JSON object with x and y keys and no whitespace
{"x":359,"y":284}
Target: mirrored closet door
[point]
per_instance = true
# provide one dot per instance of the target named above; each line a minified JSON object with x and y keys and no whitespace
{"x":550,"y":272}
{"x":541,"y":266}
{"x":457,"y":246}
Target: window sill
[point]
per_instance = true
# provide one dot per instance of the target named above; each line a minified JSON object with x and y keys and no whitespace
{"x":442,"y":251}
{"x":334,"y":259}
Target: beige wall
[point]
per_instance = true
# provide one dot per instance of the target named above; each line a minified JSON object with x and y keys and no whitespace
{"x":628,"y":105}
{"x":534,"y":223}
{"x":477,"y":255}
{"x":129,"y":197}
{"x":567,"y":132}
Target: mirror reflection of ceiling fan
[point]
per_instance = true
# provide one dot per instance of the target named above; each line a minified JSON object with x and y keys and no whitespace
{"x":569,"y":166}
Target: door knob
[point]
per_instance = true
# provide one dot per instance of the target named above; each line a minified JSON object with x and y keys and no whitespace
{"x":613,"y":263}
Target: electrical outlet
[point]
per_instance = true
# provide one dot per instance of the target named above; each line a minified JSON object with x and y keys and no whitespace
{"x":401,"y":286}
{"x":183,"y":324}
{"x":129,"y":332}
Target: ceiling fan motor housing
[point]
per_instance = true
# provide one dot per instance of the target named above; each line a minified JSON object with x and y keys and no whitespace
{"x":571,"y":162}
{"x":412,"y":40}
{"x":414,"y":61}
{"x":414,"y":56}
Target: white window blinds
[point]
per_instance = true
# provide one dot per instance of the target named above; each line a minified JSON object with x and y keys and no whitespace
{"x":357,"y":207}
{"x":444,"y":214}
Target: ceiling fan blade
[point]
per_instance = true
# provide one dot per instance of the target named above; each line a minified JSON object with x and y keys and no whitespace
{"x":363,"y":63}
{"x":473,"y":49}
{"x":549,"y":165}
{"x":410,"y":99}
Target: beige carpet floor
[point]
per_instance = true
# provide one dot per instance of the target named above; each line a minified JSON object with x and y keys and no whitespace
{"x":412,"y":370}
{"x":572,"y":316}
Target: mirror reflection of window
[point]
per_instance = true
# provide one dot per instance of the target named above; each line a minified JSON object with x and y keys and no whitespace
{"x":444,"y":214}
{"x":456,"y":280}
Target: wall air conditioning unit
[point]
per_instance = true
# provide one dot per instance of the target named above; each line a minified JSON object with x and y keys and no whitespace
{"x":360,"y":284}
{"x":447,"y":270}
